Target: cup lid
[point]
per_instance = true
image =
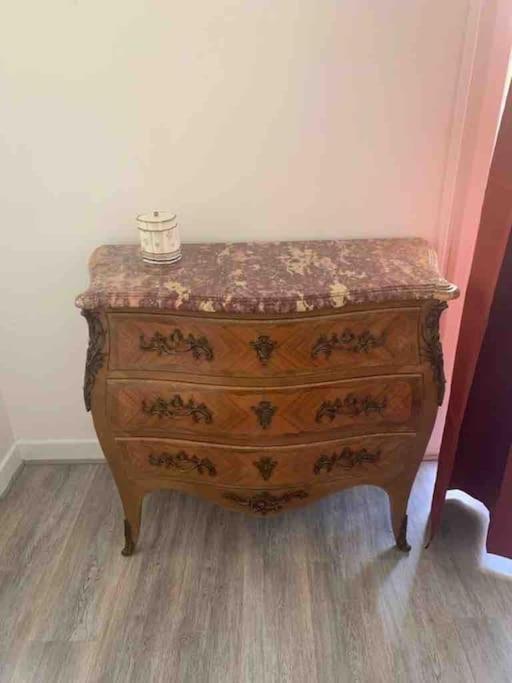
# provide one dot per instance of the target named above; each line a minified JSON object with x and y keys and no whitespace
{"x":156,"y":217}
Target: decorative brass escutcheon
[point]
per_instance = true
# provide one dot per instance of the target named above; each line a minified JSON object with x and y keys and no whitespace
{"x":264,"y":411}
{"x":265,"y":466}
{"x":264,"y":346}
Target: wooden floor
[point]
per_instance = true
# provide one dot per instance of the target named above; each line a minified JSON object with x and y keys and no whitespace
{"x":212,"y":596}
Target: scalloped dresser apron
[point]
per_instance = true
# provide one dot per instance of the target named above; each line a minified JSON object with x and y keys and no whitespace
{"x":263,"y":376}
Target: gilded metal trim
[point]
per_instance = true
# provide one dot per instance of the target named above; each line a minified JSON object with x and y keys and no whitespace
{"x":432,"y":349}
{"x":352,"y":406}
{"x":95,"y":354}
{"x":176,"y":407}
{"x":264,"y":502}
{"x":265,"y":466}
{"x":182,"y":462}
{"x":264,"y":411}
{"x":346,"y":459}
{"x":129,"y":543}
{"x":176,"y":342}
{"x":264,"y":347}
{"x":401,"y":541}
{"x":346,"y":341}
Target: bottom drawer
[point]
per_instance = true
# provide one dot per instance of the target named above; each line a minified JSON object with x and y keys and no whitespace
{"x":370,"y":459}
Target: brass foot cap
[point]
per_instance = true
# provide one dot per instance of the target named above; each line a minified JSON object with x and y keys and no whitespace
{"x":401,"y":541}
{"x":129,"y":545}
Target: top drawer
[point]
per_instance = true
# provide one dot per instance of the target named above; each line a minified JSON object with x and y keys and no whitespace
{"x":259,"y":348}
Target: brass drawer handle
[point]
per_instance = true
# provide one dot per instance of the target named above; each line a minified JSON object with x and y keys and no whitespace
{"x":264,"y":411}
{"x":265,"y":467}
{"x":182,"y":462}
{"x":176,"y":342}
{"x":264,"y":346}
{"x":346,"y":459}
{"x":346,"y":341}
{"x":176,"y":407}
{"x":351,"y":405}
{"x":265,"y":502}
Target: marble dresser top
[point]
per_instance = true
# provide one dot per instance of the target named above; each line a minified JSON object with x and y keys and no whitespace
{"x":267,"y":277}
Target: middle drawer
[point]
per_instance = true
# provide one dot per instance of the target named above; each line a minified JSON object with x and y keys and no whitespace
{"x":264,"y":413}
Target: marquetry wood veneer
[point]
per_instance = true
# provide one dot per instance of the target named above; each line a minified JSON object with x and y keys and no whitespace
{"x":263,"y":413}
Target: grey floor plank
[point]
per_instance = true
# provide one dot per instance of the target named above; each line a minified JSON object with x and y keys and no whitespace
{"x":318,"y":595}
{"x":80,"y":579}
{"x":50,"y":498}
{"x":59,"y":662}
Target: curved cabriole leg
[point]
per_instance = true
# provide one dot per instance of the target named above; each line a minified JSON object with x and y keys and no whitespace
{"x":398,"y":503}
{"x":401,"y":539}
{"x":132,"y":503}
{"x":129,"y":543}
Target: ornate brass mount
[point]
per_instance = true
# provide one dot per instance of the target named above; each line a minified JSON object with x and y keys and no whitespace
{"x":183,"y":462}
{"x":265,"y":467}
{"x":351,"y":405}
{"x":176,"y":342}
{"x":129,"y":544}
{"x":176,"y":407}
{"x":264,"y":502}
{"x":264,"y":346}
{"x":347,"y":459}
{"x":264,"y":411}
{"x":401,"y":541}
{"x":346,"y":341}
{"x":432,"y":349}
{"x":95,"y":354}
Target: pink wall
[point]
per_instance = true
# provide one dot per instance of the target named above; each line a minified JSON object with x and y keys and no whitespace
{"x":490,"y":76}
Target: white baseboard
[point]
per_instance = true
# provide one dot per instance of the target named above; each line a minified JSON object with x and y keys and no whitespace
{"x":10,"y":465}
{"x":60,"y":451}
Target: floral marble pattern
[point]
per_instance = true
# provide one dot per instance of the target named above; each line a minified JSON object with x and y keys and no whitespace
{"x":267,"y":277}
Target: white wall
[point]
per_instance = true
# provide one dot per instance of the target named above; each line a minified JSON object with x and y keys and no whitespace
{"x":6,"y":435}
{"x":252,"y":120}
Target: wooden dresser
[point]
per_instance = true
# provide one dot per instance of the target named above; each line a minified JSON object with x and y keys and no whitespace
{"x":264,"y":376}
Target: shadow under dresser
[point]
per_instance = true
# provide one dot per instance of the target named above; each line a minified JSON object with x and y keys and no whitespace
{"x":263,"y":376}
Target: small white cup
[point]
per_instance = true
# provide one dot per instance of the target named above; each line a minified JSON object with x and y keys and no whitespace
{"x":159,"y":237}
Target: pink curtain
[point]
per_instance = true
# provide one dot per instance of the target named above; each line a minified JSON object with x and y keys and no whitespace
{"x":476,"y":449}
